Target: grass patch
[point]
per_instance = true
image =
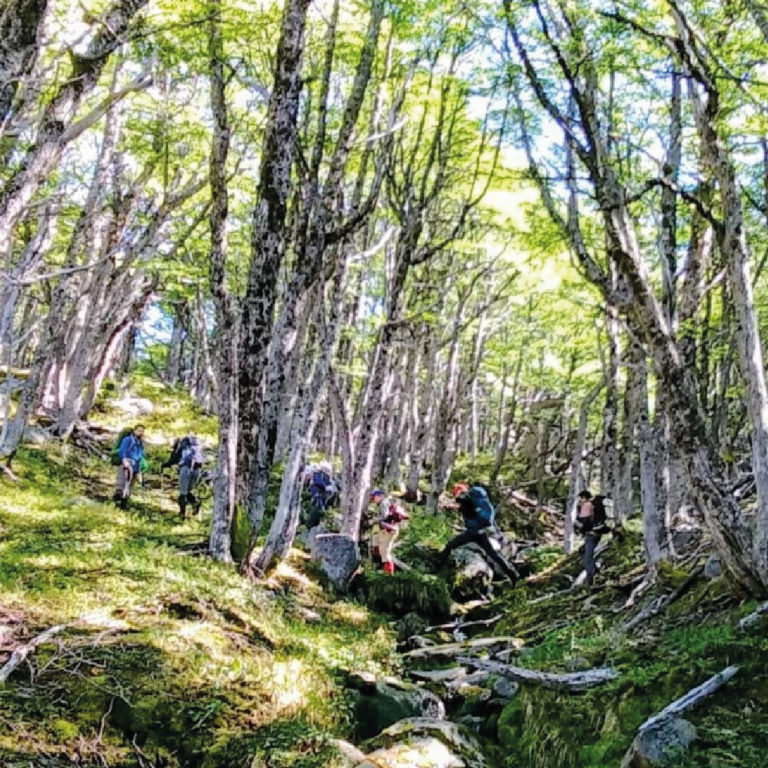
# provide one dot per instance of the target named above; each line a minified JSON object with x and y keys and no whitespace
{"x":166,"y":654}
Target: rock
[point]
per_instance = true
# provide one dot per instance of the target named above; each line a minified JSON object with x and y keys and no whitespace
{"x":308,"y":538}
{"x":440,"y":675}
{"x":713,"y":567}
{"x":505,"y":689}
{"x":381,"y":703}
{"x":662,"y":746}
{"x":425,"y":743}
{"x":405,"y":592}
{"x":338,"y":556}
{"x":577,"y":664}
{"x":35,"y":435}
{"x":350,"y":755}
{"x":417,"y":641}
{"x":472,"y":576}
{"x":134,"y":406}
{"x":410,"y":625}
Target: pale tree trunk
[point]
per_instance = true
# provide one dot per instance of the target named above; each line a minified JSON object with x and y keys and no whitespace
{"x":283,"y":529}
{"x":507,"y":421}
{"x":367,"y":426}
{"x":610,"y":475}
{"x":56,"y":125}
{"x":125,"y":354}
{"x":280,"y":395}
{"x":103,"y":300}
{"x":733,"y":245}
{"x":316,"y":214}
{"x":445,"y":419}
{"x":108,"y":306}
{"x":473,"y":396}
{"x":504,"y":428}
{"x":422,"y":409}
{"x":628,"y":451}
{"x":398,"y":407}
{"x":178,"y":336}
{"x":654,"y":534}
{"x":728,"y":526}
{"x":669,"y":471}
{"x":21,"y":28}
{"x":107,"y":361}
{"x":576,"y":470}
{"x":224,"y":484}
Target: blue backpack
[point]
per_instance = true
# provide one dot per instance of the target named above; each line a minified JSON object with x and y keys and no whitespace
{"x":484,"y":511}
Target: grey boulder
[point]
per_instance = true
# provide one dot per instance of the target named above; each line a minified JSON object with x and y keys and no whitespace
{"x":338,"y":557}
{"x":663,"y":746}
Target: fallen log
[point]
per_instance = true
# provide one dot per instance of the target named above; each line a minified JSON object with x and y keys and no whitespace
{"x":754,"y":616}
{"x":23,"y":651}
{"x":568,"y":681}
{"x":691,"y":698}
{"x":477,"y":644}
{"x":450,"y":626}
{"x":656,"y":606}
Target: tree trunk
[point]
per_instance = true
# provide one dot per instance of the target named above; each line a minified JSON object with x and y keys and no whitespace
{"x":225,"y":478}
{"x":283,"y":529}
{"x":53,"y":134}
{"x":270,"y":228}
{"x":576,"y":472}
{"x":21,"y":28}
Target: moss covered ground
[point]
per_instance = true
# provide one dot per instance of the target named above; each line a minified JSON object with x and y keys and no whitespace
{"x":659,"y":660}
{"x":169,"y":659}
{"x":166,"y":658}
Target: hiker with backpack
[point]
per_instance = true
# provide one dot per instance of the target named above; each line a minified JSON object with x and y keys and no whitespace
{"x":322,"y":491}
{"x":478,"y":514}
{"x":386,"y":529}
{"x":128,"y":456}
{"x":187,"y":452}
{"x":591,"y":521}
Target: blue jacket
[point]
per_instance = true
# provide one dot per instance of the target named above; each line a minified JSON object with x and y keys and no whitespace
{"x":131,"y":448}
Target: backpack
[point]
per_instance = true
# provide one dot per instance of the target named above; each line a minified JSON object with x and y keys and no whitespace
{"x":191,"y":451}
{"x":484,"y":511}
{"x":599,"y":515}
{"x":322,"y":481}
{"x":114,"y":453}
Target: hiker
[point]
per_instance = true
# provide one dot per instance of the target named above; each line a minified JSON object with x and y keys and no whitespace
{"x":322,"y":491}
{"x":591,"y":522}
{"x":478,"y":514}
{"x":386,"y":528}
{"x":187,"y":452}
{"x":131,"y":462}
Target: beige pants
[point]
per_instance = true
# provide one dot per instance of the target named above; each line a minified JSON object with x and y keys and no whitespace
{"x":385,"y":541}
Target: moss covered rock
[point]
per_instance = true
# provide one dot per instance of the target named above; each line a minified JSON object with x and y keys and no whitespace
{"x":404,"y":593}
{"x":425,"y":743}
{"x":381,"y":703}
{"x":663,"y":746}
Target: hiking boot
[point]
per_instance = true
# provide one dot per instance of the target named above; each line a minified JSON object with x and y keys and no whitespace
{"x":123,"y":502}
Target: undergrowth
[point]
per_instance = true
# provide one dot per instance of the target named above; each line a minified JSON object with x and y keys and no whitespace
{"x":659,"y":661}
{"x":166,"y":657}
